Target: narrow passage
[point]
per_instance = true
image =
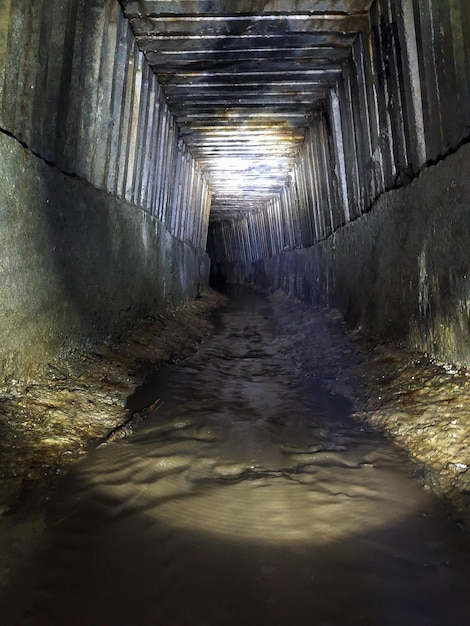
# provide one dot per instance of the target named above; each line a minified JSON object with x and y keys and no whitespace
{"x":250,"y":497}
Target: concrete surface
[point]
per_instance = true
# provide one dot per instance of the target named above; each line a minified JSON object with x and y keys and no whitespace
{"x":77,"y":263}
{"x":401,"y":271}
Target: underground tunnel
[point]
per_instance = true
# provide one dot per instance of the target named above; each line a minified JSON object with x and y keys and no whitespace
{"x":235,"y":312}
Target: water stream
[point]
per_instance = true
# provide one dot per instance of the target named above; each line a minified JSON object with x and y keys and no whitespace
{"x":249,"y":497}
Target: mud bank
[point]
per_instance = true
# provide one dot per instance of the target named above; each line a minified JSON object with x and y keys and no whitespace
{"x":420,"y":403}
{"x":49,"y":421}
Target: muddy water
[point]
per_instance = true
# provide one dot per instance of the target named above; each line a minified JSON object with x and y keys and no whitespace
{"x":251,"y":498}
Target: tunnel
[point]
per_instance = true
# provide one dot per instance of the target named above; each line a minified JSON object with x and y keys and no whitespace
{"x":162,"y":161}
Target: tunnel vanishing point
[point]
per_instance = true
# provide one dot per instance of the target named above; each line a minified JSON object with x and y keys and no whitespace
{"x":317,"y":146}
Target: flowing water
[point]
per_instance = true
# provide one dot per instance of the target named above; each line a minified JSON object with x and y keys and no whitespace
{"x":251,"y":498}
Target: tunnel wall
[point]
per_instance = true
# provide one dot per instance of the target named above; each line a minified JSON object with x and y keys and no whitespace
{"x":103,"y":213}
{"x":373,"y":215}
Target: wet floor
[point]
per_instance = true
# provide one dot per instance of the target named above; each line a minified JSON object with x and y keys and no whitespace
{"x":249,"y":497}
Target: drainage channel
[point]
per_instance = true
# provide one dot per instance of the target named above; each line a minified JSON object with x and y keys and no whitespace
{"x":249,"y":496}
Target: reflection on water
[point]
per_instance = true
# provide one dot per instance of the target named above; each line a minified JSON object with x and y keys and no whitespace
{"x":248,"y":498}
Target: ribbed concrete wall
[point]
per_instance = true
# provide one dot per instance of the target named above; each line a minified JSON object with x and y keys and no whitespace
{"x":88,"y":141}
{"x":78,"y":93}
{"x":401,"y":105}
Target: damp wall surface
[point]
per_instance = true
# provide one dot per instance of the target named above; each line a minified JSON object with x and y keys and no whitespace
{"x":103,"y":213}
{"x":77,"y":263}
{"x":401,"y":271}
{"x":375,"y":215}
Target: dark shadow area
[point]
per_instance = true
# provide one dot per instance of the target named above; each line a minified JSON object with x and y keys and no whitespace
{"x":217,"y":279}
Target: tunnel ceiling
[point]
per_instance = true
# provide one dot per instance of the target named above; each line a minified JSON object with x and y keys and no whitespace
{"x":243,"y":79}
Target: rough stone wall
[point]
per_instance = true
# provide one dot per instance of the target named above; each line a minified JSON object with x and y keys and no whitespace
{"x":103,"y":213}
